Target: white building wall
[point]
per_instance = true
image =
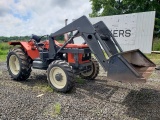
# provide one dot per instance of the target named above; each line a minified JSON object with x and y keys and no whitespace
{"x":132,"y":31}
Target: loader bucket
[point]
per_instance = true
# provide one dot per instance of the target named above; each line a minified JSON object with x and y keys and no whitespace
{"x":130,"y":66}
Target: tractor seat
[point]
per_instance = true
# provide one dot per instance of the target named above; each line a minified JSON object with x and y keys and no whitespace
{"x":72,"y":45}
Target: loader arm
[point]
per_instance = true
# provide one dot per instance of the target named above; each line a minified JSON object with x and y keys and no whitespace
{"x":130,"y":66}
{"x":84,"y":28}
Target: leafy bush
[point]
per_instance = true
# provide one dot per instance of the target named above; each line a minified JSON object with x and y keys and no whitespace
{"x":5,"y":46}
{"x":3,"y":52}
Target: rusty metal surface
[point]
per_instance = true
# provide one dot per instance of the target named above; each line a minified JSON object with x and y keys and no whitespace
{"x":130,"y":66}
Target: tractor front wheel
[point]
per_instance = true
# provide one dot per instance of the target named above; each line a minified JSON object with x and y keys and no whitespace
{"x":60,"y":76}
{"x":92,"y":74}
{"x":18,"y":64}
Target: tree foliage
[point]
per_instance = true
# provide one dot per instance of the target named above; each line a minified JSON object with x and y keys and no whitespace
{"x":22,"y":38}
{"x":115,"y":7}
{"x":11,"y":38}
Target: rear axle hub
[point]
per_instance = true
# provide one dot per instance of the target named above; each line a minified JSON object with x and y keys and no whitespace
{"x":58,"y":77}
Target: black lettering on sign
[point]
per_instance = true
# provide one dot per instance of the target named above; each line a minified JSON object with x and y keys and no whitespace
{"x":128,"y":33}
{"x":121,"y":32}
{"x":115,"y":32}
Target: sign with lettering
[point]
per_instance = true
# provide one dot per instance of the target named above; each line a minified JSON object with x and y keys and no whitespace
{"x":132,"y":31}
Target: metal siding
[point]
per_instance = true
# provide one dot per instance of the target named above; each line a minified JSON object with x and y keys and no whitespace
{"x":140,"y":24}
{"x":145,"y":26}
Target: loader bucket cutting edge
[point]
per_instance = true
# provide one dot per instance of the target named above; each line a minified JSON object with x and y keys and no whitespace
{"x":130,"y":66}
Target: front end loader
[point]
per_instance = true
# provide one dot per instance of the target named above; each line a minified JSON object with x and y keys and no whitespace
{"x":64,"y":61}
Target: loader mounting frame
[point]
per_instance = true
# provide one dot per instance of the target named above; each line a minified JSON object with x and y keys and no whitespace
{"x":101,"y":41}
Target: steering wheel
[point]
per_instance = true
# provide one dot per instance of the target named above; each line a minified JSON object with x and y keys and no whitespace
{"x":37,"y":39}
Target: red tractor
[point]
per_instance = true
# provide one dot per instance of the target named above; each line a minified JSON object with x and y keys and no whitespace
{"x":64,"y":61}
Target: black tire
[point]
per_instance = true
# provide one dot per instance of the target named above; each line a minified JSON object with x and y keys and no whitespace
{"x":24,"y":64}
{"x":66,"y":79}
{"x":91,"y":75}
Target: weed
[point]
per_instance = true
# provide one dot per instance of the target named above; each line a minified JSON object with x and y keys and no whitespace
{"x":43,"y":87}
{"x":80,"y":80}
{"x":53,"y":110}
{"x":57,"y":108}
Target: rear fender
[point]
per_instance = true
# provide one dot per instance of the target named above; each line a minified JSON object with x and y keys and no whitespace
{"x":29,"y":47}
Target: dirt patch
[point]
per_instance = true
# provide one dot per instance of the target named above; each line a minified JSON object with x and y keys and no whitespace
{"x":99,"y":99}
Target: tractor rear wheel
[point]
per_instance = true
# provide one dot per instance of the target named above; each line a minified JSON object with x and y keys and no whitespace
{"x":92,"y":74}
{"x":60,"y":76}
{"x":18,"y":64}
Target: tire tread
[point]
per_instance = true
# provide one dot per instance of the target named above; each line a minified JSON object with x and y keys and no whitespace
{"x":69,"y":73}
{"x":25,"y":63}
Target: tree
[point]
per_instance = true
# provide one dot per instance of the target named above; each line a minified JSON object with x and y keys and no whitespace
{"x":115,"y":7}
{"x":106,"y":7}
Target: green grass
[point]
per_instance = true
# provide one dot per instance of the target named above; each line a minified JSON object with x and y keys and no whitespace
{"x":42,"y":87}
{"x":4,"y":48}
{"x":80,"y":80}
{"x":154,"y":57}
{"x":61,"y":41}
{"x":53,"y":110}
{"x":3,"y":58}
{"x":4,"y":52}
{"x":57,"y":108}
{"x":156,"y":44}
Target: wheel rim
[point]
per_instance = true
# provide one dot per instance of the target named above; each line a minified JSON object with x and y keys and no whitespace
{"x":58,"y":83}
{"x":14,"y":64}
{"x":88,"y":73}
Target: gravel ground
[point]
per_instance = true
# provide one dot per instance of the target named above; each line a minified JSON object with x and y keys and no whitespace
{"x":99,"y":99}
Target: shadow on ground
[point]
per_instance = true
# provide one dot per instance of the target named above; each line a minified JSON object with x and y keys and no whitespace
{"x":143,"y":104}
{"x":36,"y":79}
{"x":95,"y":89}
{"x":91,"y":88}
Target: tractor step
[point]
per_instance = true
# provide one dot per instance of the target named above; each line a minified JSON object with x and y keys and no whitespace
{"x":39,"y":64}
